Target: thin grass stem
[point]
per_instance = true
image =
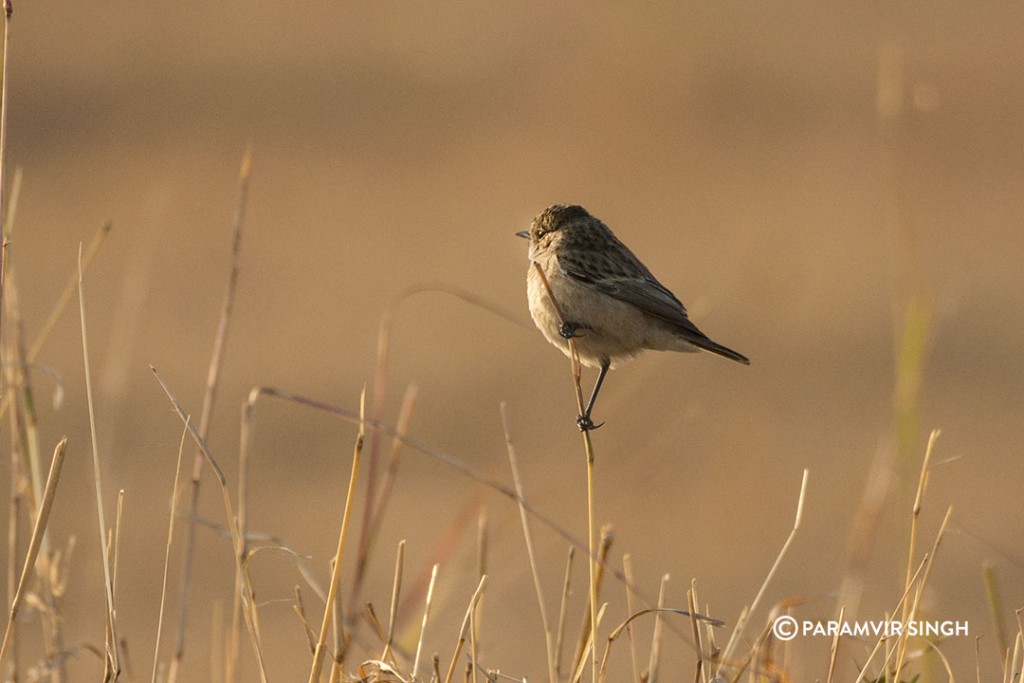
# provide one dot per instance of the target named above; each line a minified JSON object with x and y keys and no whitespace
{"x":209,"y":400}
{"x":588,"y":448}
{"x":655,"y":658}
{"x":563,"y":613}
{"x":465,"y":625}
{"x":249,"y":612}
{"x":423,"y":624}
{"x":332,"y":593}
{"x":167,"y":555}
{"x":42,"y":518}
{"x":112,"y":655}
{"x":525,"y":521}
{"x":741,"y":623}
{"x":396,"y":590}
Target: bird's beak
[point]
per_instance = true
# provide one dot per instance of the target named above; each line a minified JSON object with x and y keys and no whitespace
{"x":524,"y":234}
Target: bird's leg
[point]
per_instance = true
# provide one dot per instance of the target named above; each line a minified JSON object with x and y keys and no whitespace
{"x":583,"y":421}
{"x":568,"y":330}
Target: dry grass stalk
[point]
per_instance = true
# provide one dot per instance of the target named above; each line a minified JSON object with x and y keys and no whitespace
{"x":563,"y":612}
{"x":1016,"y":660}
{"x":172,"y":516}
{"x":1019,"y":640}
{"x":15,"y":505}
{"x":757,"y":648}
{"x":942,"y":658}
{"x":370,"y":615}
{"x":116,"y":545}
{"x":396,"y":590}
{"x":691,"y":604}
{"x":915,"y":604}
{"x":24,"y":428}
{"x":577,"y":370}
{"x":24,"y":432}
{"x":8,"y":11}
{"x":883,"y":640}
{"x":834,"y":650}
{"x":247,"y":552}
{"x":332,"y":592}
{"x":463,"y":629}
{"x":59,"y":306}
{"x":916,"y":511}
{"x":482,"y":546}
{"x":741,"y":622}
{"x":628,"y":623}
{"x":995,"y":603}
{"x":374,"y":514}
{"x":977,"y":659}
{"x":713,"y":650}
{"x":601,"y":562}
{"x":517,"y":481}
{"x":249,"y":607}
{"x":380,"y":383}
{"x":589,"y":450}
{"x":14,"y":515}
{"x":42,"y":518}
{"x":655,"y":659}
{"x":112,"y":664}
{"x":627,"y":570}
{"x":587,"y":646}
{"x":300,"y":611}
{"x":206,"y":414}
{"x":25,"y":454}
{"x":423,"y":625}
{"x":113,"y":548}
{"x":910,"y":606}
{"x":471,"y":664}
{"x":244,"y":454}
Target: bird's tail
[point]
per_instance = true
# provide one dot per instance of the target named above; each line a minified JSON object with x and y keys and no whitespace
{"x":705,"y":343}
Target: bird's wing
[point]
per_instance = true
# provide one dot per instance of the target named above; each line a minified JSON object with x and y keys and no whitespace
{"x":636,"y":286}
{"x":632,"y":284}
{"x":650,"y":296}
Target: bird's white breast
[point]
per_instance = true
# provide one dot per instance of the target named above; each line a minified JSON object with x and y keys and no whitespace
{"x":612,"y":330}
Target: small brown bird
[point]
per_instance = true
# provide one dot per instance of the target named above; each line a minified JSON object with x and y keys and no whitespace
{"x":612,"y":306}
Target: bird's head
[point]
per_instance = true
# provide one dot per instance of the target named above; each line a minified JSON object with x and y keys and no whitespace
{"x":552,"y":225}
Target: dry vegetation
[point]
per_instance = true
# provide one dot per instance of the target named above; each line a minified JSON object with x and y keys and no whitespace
{"x":363,"y":643}
{"x":354,"y":636}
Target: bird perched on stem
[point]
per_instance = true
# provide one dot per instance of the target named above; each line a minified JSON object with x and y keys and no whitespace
{"x":605,"y":298}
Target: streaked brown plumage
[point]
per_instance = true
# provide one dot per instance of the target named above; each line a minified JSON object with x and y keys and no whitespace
{"x":612,"y":305}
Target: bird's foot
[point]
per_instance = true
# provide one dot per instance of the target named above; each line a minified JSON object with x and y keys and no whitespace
{"x":569,"y":330}
{"x":586,"y":424}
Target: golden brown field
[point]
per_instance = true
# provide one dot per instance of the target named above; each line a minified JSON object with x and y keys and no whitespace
{"x":806,"y":178}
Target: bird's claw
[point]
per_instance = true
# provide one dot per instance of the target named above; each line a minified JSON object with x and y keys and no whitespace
{"x":586,"y":424}
{"x":569,"y":330}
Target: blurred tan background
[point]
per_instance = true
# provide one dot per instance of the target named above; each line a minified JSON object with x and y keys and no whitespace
{"x":737,"y":148}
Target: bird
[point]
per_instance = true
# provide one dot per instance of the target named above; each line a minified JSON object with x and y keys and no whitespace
{"x":605,"y":298}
